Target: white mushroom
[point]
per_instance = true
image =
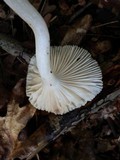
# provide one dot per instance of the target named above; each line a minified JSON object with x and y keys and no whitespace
{"x":59,"y":79}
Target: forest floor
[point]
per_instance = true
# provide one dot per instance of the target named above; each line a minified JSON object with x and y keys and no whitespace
{"x":89,"y":133}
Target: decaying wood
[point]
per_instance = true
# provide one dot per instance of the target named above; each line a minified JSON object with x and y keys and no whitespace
{"x":58,"y":125}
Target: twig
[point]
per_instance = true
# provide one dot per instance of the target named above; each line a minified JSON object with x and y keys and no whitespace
{"x":13,"y":47}
{"x":104,"y":24}
{"x":79,"y":12}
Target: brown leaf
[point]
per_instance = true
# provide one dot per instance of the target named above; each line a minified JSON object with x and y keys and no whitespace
{"x":100,"y":47}
{"x":2,"y":12}
{"x":14,"y":121}
{"x":82,"y":2}
{"x":76,"y":32}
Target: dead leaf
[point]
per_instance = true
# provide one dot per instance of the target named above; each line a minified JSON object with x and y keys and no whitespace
{"x":77,"y":31}
{"x":14,"y":121}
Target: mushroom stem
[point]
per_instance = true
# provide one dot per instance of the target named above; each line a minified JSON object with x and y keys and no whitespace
{"x":76,"y":77}
{"x":42,"y":40}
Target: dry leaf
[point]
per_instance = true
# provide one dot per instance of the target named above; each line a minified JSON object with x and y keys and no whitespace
{"x":77,"y":31}
{"x":2,"y":12}
{"x":14,"y":121}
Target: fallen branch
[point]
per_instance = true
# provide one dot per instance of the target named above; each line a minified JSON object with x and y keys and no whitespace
{"x":58,"y":125}
{"x":13,"y":47}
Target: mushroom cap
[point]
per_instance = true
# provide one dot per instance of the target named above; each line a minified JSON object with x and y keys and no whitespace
{"x":77,"y":79}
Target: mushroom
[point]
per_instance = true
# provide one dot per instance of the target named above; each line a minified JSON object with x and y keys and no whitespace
{"x":59,"y":78}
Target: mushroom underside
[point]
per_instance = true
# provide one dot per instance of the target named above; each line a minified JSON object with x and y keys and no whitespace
{"x":76,"y":79}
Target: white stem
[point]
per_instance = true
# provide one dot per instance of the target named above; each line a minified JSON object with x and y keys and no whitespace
{"x":31,"y":16}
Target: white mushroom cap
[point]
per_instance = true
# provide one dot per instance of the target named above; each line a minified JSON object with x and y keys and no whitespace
{"x":59,"y":79}
{"x":76,"y":80}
